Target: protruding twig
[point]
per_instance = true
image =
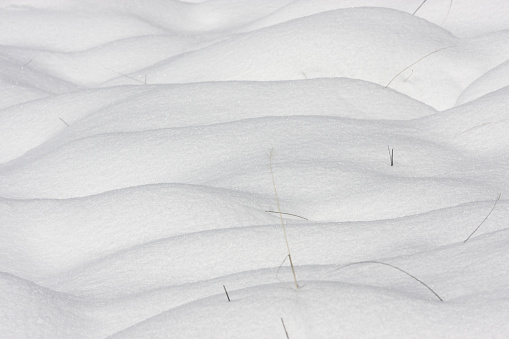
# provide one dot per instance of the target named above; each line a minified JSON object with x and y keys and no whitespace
{"x":225,"y":291}
{"x":495,"y":204}
{"x":286,"y":332}
{"x":399,"y":269}
{"x":295,"y":215}
{"x":282,"y":223}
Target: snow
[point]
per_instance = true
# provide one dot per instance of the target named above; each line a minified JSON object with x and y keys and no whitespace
{"x":137,"y":141}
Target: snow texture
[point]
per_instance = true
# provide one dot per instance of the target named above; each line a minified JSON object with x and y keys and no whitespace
{"x":136,"y":145}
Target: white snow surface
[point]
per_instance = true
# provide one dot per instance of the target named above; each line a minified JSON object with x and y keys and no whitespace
{"x":136,"y":145}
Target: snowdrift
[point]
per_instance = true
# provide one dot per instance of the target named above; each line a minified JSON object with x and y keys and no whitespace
{"x":137,"y":141}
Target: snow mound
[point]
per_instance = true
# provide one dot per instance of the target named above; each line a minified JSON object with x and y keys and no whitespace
{"x":29,"y":311}
{"x":309,"y":47}
{"x":491,"y":81}
{"x":460,"y":17}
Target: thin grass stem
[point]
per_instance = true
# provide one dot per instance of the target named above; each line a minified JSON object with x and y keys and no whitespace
{"x":294,"y":215}
{"x":282,"y":222}
{"x":225,"y":291}
{"x":64,"y":122}
{"x":495,"y":204}
{"x":286,"y":332}
{"x":395,"y":267}
{"x":424,"y":57}
{"x":418,"y":8}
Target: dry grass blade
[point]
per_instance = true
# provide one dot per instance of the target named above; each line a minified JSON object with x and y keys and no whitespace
{"x":395,"y":267}
{"x":424,"y":57}
{"x":495,"y":204}
{"x":282,"y":223}
{"x":294,"y":215}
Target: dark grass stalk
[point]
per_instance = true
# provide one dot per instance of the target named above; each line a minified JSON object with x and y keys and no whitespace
{"x":282,"y":223}
{"x":286,"y":332}
{"x":391,"y":155}
{"x":225,"y":291}
{"x":397,"y":268}
{"x":495,"y":204}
